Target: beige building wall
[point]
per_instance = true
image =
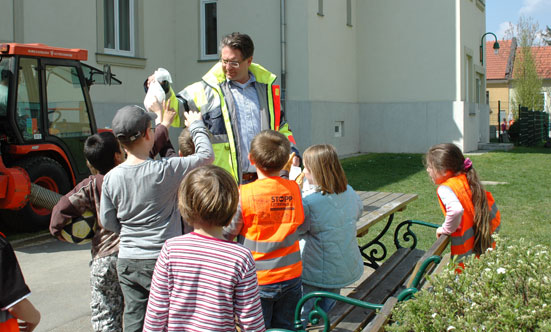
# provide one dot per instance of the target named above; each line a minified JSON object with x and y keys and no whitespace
{"x":499,"y":95}
{"x":406,"y":53}
{"x":418,"y":95}
{"x":6,"y":21}
{"x":390,"y":79}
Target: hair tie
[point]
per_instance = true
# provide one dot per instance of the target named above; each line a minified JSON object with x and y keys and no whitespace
{"x":467,"y":164}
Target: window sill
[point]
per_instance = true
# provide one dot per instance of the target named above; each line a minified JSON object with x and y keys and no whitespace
{"x":120,"y":60}
{"x":207,"y":60}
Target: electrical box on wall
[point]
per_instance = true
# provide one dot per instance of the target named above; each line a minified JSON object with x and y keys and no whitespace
{"x":339,"y":128}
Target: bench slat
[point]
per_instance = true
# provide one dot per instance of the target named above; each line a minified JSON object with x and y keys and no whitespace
{"x":437,"y":248}
{"x":389,"y":206}
{"x":379,"y":288}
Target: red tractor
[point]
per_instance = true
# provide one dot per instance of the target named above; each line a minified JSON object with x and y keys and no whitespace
{"x":45,"y":117}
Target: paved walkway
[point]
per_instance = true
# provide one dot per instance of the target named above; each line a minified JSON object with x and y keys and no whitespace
{"x":58,"y":275}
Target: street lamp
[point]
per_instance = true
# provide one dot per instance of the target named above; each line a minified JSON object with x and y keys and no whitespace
{"x":496,"y":46}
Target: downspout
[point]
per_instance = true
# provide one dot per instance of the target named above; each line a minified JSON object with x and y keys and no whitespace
{"x":283,"y":76}
{"x":458,"y":52}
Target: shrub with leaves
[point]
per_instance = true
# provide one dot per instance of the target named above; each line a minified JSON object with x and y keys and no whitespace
{"x":507,"y":289}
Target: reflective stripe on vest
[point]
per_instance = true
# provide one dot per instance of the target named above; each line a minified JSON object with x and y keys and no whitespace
{"x":462,"y":240}
{"x":278,"y":262}
{"x":272,"y":211}
{"x":267,"y":247}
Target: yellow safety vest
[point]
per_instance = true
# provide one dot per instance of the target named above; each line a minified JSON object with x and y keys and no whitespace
{"x":207,"y":96}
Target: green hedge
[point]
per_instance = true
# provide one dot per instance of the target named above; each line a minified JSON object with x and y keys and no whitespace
{"x":507,"y":289}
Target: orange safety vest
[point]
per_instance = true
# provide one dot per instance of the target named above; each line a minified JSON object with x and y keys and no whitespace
{"x":462,"y":240}
{"x":9,"y":326}
{"x":272,"y":211}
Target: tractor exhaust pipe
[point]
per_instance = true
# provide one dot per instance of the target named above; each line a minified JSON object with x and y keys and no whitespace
{"x":43,"y":197}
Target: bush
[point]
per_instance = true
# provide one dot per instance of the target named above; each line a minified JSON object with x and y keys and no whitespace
{"x":508,"y":289}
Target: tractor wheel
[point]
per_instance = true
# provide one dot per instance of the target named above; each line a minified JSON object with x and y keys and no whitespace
{"x":45,"y":172}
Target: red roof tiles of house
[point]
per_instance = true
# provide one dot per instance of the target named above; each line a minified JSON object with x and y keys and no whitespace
{"x":499,"y":66}
{"x":542,"y":58}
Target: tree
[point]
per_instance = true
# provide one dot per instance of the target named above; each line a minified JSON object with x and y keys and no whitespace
{"x":546,"y":35}
{"x":526,"y":82}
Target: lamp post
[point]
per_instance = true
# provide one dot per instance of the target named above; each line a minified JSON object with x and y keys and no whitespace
{"x":495,"y":47}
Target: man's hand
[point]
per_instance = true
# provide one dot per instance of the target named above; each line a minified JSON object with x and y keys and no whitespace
{"x":192,"y":116}
{"x":168,"y":115}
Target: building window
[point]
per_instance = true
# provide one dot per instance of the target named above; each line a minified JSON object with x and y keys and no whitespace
{"x":469,"y":80}
{"x":209,"y":39}
{"x":478,"y":88}
{"x":118,"y":30}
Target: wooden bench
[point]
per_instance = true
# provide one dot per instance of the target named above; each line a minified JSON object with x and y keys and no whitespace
{"x":400,"y":276}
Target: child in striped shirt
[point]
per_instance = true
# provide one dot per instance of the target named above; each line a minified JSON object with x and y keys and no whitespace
{"x":201,"y":281}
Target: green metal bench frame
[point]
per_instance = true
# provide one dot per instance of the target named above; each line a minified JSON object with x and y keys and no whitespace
{"x":373,"y":258}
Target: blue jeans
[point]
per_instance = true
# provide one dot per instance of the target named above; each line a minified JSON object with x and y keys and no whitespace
{"x":326,"y":304}
{"x":279,"y":302}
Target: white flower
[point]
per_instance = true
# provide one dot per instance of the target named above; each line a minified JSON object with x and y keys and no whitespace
{"x":434,"y":315}
{"x":500,"y":270}
{"x":450,"y":328}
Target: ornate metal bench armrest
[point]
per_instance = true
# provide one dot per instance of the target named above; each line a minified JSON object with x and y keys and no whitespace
{"x":409,"y":235}
{"x":317,"y":313}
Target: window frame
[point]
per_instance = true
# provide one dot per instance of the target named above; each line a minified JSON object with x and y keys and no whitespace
{"x":131,"y":23}
{"x":203,"y":33}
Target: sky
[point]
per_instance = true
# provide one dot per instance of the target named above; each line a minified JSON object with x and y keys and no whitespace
{"x":500,"y":12}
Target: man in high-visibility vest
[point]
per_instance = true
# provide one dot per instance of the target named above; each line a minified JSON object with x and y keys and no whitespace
{"x":237,"y":99}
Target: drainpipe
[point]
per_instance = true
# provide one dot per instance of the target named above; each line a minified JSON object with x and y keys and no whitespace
{"x":283,"y":77}
{"x":458,"y":51}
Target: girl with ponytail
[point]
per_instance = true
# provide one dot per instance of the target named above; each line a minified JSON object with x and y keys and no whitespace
{"x":471,"y":216}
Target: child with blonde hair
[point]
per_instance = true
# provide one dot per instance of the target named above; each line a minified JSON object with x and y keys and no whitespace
{"x":331,"y":257}
{"x":471,"y":215}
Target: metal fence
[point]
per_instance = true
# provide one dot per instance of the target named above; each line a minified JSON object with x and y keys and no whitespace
{"x":533,"y":127}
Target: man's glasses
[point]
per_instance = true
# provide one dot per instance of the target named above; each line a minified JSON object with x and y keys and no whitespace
{"x":233,"y":64}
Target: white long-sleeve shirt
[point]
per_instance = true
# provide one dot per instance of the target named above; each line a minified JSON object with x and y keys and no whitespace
{"x":454,"y":210}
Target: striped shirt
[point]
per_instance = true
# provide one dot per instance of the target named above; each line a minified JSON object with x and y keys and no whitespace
{"x":202,"y":283}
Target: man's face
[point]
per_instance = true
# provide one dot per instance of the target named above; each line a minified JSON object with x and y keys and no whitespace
{"x":229,"y":58}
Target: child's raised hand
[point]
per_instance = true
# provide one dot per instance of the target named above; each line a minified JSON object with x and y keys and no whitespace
{"x":168,"y":115}
{"x":157,"y":108}
{"x":192,"y":116}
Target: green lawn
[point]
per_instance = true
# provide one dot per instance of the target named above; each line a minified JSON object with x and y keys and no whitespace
{"x":524,"y":202}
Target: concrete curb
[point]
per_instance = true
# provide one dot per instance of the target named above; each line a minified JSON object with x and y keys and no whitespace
{"x":32,"y":240}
